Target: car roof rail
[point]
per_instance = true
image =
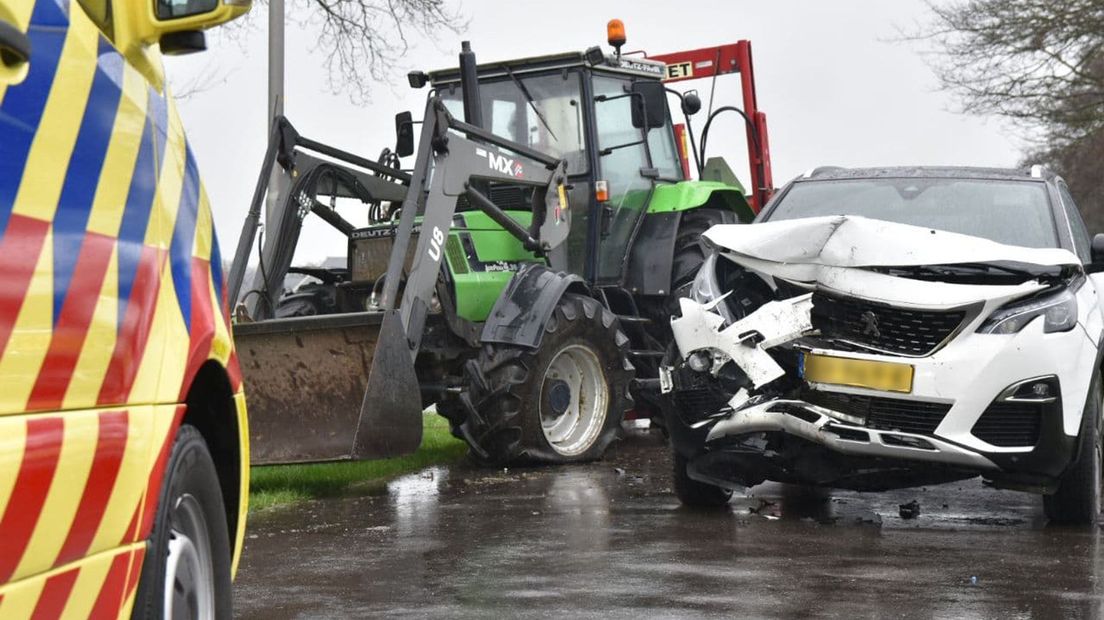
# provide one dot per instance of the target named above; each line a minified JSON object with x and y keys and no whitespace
{"x":812,"y":172}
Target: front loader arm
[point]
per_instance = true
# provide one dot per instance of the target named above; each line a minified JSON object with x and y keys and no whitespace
{"x":459,"y":166}
{"x":454,"y":159}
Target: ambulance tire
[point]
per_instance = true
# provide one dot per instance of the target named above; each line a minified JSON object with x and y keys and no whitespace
{"x":186,"y":572}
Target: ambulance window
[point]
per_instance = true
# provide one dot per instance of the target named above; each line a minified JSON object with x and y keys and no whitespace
{"x":99,"y":11}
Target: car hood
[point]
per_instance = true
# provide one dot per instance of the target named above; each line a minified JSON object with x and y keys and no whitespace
{"x":841,"y":254}
{"x":854,"y":241}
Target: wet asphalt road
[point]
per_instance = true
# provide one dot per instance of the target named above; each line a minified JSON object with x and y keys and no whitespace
{"x":609,"y":540}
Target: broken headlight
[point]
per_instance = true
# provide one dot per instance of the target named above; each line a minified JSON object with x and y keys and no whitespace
{"x":1059,"y":312}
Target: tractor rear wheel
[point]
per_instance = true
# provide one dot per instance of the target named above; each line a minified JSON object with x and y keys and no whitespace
{"x":687,"y":261}
{"x":561,"y":403}
{"x":689,"y":253}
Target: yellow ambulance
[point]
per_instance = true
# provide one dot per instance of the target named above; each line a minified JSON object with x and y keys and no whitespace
{"x":123,"y":439}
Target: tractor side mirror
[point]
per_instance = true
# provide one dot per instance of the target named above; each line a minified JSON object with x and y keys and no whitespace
{"x":691,"y":103}
{"x":649,"y":105}
{"x":404,"y":134}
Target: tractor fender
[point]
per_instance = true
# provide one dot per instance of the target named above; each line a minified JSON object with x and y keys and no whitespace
{"x":526,"y":304}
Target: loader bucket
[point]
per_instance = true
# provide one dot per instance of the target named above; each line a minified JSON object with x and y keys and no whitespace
{"x":305,"y":381}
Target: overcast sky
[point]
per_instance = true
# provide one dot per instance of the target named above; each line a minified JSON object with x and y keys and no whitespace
{"x":836,"y":86}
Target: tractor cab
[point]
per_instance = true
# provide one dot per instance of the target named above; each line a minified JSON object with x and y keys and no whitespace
{"x":590,"y":109}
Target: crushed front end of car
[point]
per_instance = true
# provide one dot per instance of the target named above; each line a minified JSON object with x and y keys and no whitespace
{"x":854,"y":353}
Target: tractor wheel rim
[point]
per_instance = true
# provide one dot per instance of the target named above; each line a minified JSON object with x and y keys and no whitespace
{"x":189,"y":574}
{"x":573,"y":431}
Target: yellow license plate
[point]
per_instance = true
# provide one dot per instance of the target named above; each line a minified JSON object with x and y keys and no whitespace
{"x":885,"y":376}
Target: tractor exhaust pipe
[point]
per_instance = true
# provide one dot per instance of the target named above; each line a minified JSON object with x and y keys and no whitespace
{"x":469,"y":86}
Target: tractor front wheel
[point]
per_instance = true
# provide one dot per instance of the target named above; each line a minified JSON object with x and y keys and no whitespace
{"x":561,"y":403}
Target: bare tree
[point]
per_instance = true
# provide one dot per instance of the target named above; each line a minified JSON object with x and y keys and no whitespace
{"x":1081,"y":164}
{"x":1039,"y":63}
{"x":363,"y":41}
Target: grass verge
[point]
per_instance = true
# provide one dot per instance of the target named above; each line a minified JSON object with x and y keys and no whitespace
{"x":275,"y":485}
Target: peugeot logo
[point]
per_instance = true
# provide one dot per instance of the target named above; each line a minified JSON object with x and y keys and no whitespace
{"x":870,"y":325}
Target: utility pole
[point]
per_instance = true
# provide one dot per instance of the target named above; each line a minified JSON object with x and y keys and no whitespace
{"x":275,"y":96}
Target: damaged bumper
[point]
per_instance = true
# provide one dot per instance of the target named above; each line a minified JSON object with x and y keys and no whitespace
{"x":977,"y":404}
{"x":822,"y":426}
{"x":745,"y":342}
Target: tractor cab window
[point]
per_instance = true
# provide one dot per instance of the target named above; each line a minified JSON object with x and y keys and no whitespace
{"x":543,"y":112}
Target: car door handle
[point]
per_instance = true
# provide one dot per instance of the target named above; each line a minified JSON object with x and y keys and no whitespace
{"x":15,"y":49}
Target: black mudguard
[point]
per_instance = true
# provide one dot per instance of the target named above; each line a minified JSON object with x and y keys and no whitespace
{"x":653,"y":252}
{"x":521,"y":312}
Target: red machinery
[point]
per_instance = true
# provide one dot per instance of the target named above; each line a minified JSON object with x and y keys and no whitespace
{"x":721,"y":60}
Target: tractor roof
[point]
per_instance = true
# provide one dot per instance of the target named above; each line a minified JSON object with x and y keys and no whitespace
{"x":634,"y":66}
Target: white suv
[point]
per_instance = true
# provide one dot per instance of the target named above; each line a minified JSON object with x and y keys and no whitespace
{"x":888,"y":328}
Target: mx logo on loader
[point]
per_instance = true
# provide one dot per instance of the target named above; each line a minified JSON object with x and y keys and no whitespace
{"x":500,"y":163}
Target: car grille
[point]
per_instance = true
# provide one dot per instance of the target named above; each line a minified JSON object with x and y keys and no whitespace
{"x":698,"y":402}
{"x":1010,"y":424}
{"x":881,"y":327}
{"x":887,"y":414}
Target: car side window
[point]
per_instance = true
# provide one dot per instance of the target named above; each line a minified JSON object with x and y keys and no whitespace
{"x":99,"y":11}
{"x":1080,"y":232}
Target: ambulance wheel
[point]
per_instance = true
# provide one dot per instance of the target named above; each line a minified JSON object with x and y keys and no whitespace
{"x":186,"y":572}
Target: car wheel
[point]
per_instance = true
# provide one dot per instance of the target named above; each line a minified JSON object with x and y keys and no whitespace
{"x":186,"y":573}
{"x":697,"y":494}
{"x":1078,"y":499}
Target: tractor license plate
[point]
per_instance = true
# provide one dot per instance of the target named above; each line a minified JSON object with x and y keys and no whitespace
{"x":885,"y":376}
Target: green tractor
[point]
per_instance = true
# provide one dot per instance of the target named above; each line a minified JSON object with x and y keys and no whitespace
{"x":520,"y":276}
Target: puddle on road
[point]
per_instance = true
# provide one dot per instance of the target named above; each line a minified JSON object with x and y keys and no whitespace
{"x":562,"y":541}
{"x":414,"y":498}
{"x":419,"y":486}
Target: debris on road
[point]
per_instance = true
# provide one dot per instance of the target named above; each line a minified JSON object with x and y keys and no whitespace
{"x":910,"y":510}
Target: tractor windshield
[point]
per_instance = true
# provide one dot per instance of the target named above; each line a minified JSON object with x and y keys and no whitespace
{"x":539,"y":111}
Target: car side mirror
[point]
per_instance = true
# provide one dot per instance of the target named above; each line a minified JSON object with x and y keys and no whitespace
{"x":404,"y":134}
{"x":649,"y":105}
{"x":1096,"y":254}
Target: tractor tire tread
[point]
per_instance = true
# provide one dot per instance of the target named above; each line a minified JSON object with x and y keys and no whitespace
{"x":501,"y":380}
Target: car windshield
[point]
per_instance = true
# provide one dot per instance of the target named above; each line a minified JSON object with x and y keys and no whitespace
{"x":539,"y":111}
{"x":1009,"y":212}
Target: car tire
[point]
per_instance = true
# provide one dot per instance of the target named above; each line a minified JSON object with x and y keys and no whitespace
{"x":186,"y":572}
{"x":693,"y":493}
{"x":1078,"y":498}
{"x":515,"y":390}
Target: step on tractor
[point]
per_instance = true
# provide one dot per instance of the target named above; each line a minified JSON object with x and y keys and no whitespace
{"x":520,"y":277}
